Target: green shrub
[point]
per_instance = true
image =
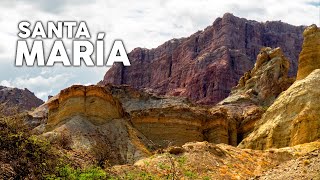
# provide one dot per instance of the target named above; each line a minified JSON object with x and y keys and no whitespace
{"x":29,"y":156}
{"x":182,"y":160}
{"x":139,"y":175}
{"x":190,"y":174}
{"x":67,"y":172}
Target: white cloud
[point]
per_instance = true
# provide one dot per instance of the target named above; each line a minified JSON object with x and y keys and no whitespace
{"x":5,"y":83}
{"x":42,"y":86}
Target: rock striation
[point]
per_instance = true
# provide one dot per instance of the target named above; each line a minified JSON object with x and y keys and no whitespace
{"x":256,"y":90}
{"x":205,"y":66}
{"x":93,"y":119}
{"x":175,"y":120}
{"x":168,"y":120}
{"x":93,"y":102}
{"x":294,"y":117}
{"x":14,"y":100}
{"x":265,"y":81}
{"x":309,"y":57}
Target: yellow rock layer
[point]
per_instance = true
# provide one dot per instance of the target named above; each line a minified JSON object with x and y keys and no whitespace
{"x":93,"y":102}
{"x":294,"y":118}
{"x":309,"y":58}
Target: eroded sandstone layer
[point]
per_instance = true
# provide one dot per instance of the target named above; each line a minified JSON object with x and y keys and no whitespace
{"x":170,"y":120}
{"x":93,"y":120}
{"x":93,"y":102}
{"x":294,"y":118}
{"x":205,"y":66}
{"x":309,"y":58}
{"x":256,"y":90}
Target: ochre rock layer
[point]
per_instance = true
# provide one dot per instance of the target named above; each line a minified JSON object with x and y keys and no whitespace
{"x":294,"y":118}
{"x":93,"y":102}
{"x":309,"y":58}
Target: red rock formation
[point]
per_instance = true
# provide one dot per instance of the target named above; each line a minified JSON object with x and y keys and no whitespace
{"x":205,"y":66}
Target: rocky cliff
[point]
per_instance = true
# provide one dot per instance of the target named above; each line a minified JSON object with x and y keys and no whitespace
{"x":14,"y":100}
{"x":267,"y":79}
{"x":256,"y":90}
{"x":205,"y":66}
{"x":93,"y":102}
{"x":294,"y":117}
{"x":93,"y":120}
{"x":166,"y":120}
{"x":175,"y":120}
{"x":171,"y":120}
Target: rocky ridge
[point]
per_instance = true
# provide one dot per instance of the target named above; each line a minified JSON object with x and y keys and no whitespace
{"x":14,"y":100}
{"x":127,"y":125}
{"x":205,"y":66}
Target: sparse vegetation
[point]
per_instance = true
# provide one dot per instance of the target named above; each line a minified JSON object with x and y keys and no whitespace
{"x":32,"y":157}
{"x":136,"y":175}
{"x":28,"y":155}
{"x":64,"y":140}
{"x":101,"y":151}
{"x":190,"y":174}
{"x":163,"y":166}
{"x":68,"y":172}
{"x":182,"y":160}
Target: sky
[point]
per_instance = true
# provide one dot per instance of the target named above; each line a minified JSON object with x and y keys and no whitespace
{"x":143,"y":23}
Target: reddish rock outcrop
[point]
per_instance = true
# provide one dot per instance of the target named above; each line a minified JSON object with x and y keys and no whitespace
{"x":14,"y":100}
{"x":205,"y":66}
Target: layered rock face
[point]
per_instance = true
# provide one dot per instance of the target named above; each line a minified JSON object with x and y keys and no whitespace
{"x":265,"y":81}
{"x":164,"y":121}
{"x":294,"y":117}
{"x":205,"y":66}
{"x":93,"y":102}
{"x":170,"y":120}
{"x":256,"y":90}
{"x":174,"y":120}
{"x":14,"y":100}
{"x":309,"y":57}
{"x":93,"y":119}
